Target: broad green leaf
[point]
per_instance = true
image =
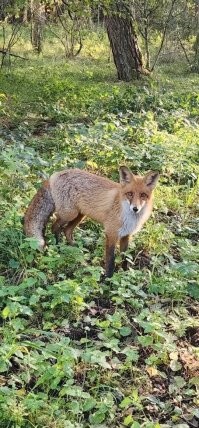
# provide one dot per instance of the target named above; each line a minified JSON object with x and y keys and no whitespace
{"x":97,"y":417}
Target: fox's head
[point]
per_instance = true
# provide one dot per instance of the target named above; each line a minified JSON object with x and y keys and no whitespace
{"x":136,"y":189}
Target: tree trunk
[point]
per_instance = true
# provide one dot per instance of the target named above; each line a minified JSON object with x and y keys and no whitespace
{"x":37,"y":23}
{"x":25,"y":14}
{"x":195,"y":66}
{"x":124,"y":44}
{"x":146,"y":42}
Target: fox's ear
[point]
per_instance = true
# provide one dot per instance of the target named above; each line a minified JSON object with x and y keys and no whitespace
{"x":125,"y":175}
{"x":151,"y":179}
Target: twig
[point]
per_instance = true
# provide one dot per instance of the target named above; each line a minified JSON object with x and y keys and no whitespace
{"x":188,"y":422}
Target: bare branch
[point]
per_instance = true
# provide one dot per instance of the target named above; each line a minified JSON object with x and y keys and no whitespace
{"x":5,"y":52}
{"x":164,"y":33}
{"x":56,"y":35}
{"x":80,"y":45}
{"x":59,"y":16}
{"x":184,"y":50}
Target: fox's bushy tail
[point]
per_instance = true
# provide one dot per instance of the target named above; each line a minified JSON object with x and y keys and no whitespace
{"x":38,"y":213}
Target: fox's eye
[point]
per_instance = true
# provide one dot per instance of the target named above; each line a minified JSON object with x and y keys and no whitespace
{"x":129,"y":194}
{"x":143,"y":195}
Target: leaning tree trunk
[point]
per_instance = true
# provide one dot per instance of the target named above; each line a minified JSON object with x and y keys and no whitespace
{"x":124,"y":44}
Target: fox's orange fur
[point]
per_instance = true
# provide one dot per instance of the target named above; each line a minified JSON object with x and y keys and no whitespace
{"x":122,"y":207}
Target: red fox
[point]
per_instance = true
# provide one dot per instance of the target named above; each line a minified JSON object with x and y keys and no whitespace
{"x":72,"y":194}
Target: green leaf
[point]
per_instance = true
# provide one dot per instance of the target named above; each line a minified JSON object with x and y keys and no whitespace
{"x":128,"y":420}
{"x":89,"y":404}
{"x":74,"y":407}
{"x":126,"y":402}
{"x":5,"y":312}
{"x":33,"y":243}
{"x":125,"y":331}
{"x":179,"y":381}
{"x":25,"y":310}
{"x":97,"y":417}
{"x":145,"y":340}
{"x":131,"y":354}
{"x":74,"y":391}
{"x":193,"y":290}
{"x":3,"y":366}
{"x":14,"y":264}
{"x":194,"y":381}
{"x":175,"y":365}
{"x":135,"y":425}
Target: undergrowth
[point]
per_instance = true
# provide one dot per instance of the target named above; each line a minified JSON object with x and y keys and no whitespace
{"x":77,"y":351}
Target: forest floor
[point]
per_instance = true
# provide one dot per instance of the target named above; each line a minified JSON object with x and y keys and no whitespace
{"x":75,"y":351}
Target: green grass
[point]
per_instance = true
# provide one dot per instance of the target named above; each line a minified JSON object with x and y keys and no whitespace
{"x":77,"y":352}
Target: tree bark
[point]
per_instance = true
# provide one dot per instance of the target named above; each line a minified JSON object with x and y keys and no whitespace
{"x":124,"y":44}
{"x":37,"y":23}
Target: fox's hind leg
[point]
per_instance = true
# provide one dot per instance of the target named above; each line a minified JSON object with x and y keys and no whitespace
{"x":63,"y":217}
{"x":57,"y":228}
{"x":66,"y":223}
{"x":68,"y":229}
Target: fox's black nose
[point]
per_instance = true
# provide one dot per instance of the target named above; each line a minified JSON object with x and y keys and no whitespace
{"x":135,"y":209}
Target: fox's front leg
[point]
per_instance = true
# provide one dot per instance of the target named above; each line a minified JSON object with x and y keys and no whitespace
{"x":124,"y":243}
{"x":110,"y":254}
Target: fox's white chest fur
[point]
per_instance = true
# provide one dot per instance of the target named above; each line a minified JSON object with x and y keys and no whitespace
{"x":132,"y":222}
